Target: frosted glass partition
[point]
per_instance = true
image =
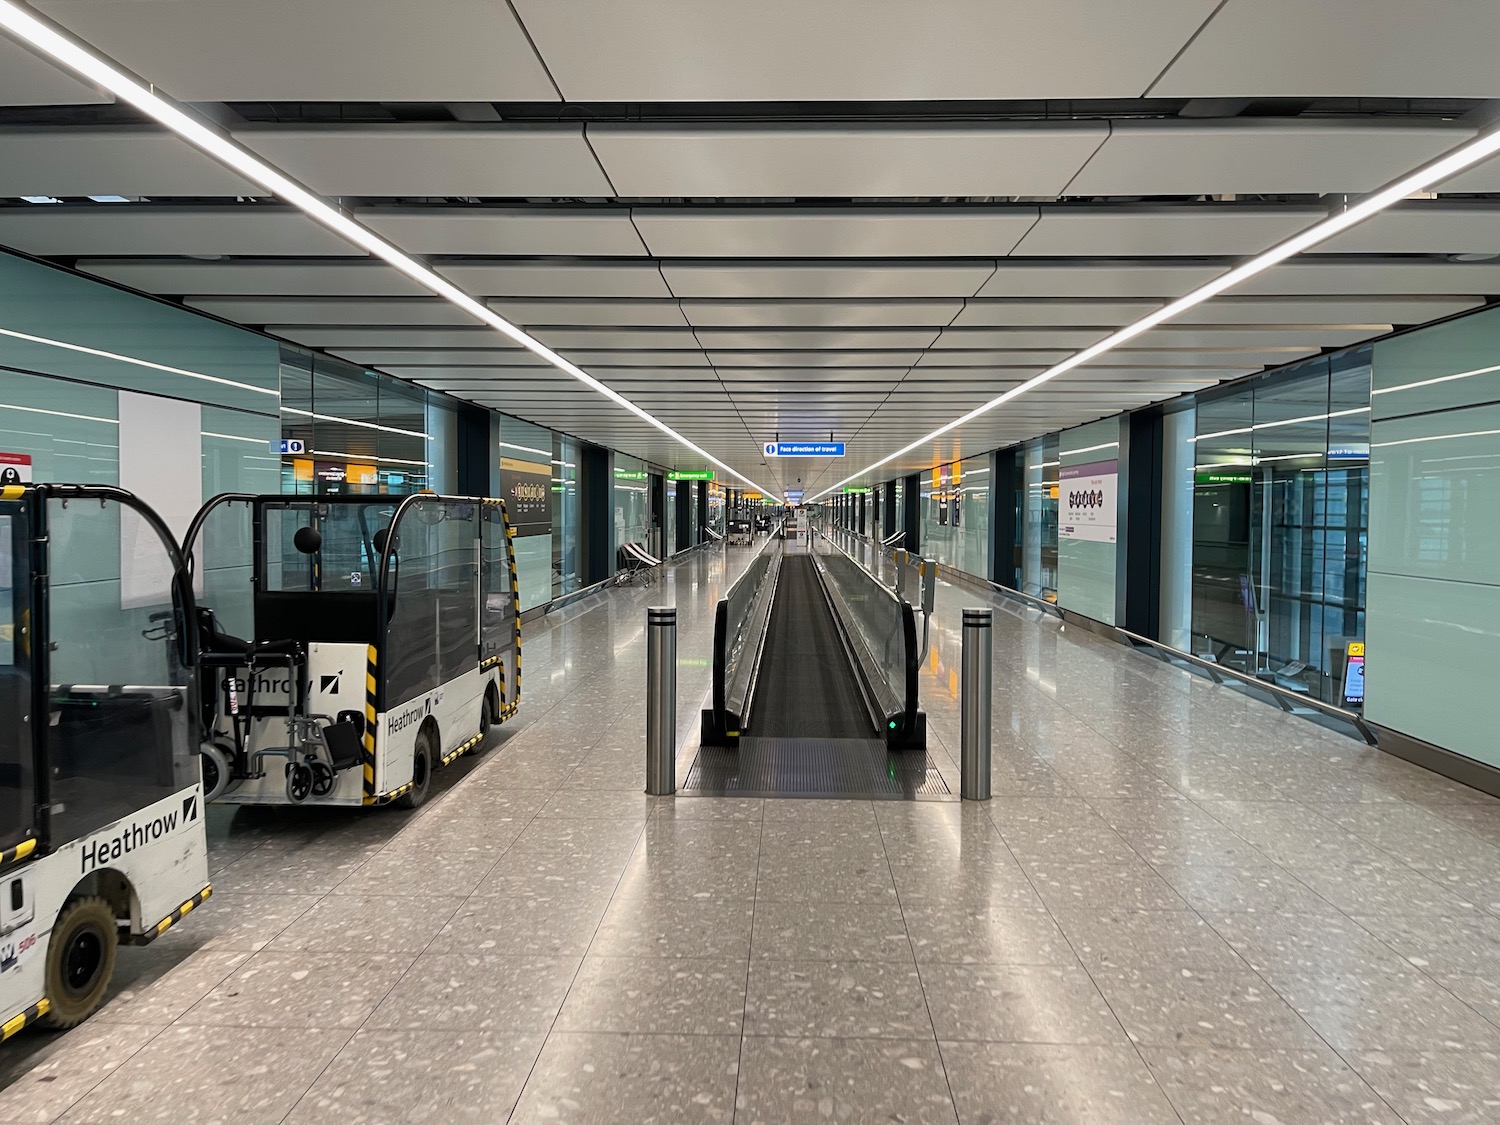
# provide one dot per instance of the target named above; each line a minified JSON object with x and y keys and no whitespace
{"x":526,"y":479}
{"x":1433,"y":600}
{"x":67,"y":431}
{"x":955,"y":515}
{"x":632,"y":504}
{"x":1177,"y":479}
{"x":217,"y":364}
{"x":1088,"y":507}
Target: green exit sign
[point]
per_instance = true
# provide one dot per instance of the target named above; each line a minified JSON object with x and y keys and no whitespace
{"x":1223,"y":478}
{"x":856,"y":490}
{"x":691,"y":474}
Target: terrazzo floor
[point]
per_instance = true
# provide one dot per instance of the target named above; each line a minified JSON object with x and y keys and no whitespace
{"x":1181,"y":906}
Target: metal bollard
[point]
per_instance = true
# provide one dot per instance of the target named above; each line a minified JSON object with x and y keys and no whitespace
{"x":974,"y":705}
{"x":661,"y":700}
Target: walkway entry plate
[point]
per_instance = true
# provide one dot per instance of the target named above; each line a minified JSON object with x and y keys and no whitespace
{"x":852,"y":768}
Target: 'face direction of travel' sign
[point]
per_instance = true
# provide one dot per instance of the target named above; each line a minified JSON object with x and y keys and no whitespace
{"x":803,"y":449}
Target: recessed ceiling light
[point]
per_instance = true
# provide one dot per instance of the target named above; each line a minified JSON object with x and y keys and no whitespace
{"x":56,"y":43}
{"x":109,"y":199}
{"x":41,"y":199}
{"x":1475,"y":256}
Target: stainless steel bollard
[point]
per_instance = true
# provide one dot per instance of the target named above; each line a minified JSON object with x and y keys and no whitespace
{"x":974,"y":705}
{"x":661,"y":700}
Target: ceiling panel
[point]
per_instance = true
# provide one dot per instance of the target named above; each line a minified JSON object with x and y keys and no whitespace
{"x":549,"y":279}
{"x":628,"y":312}
{"x":853,"y":161}
{"x":984,"y":312}
{"x":315,"y":50}
{"x":1483,"y":177}
{"x":1372,"y":311}
{"x":876,"y":279}
{"x":1016,"y":279}
{"x":1259,"y":156}
{"x":29,"y":79}
{"x":836,"y":358}
{"x":721,"y":313}
{"x":480,"y":336}
{"x":311,"y":278}
{"x":1186,"y":336}
{"x":729,"y":338}
{"x":1390,"y":277}
{"x":1011,"y":338}
{"x":508,"y":230}
{"x":128,"y":161}
{"x":1434,"y":227}
{"x":591,"y":361}
{"x":1341,"y":48}
{"x":1130,"y":231}
{"x":383,"y":312}
{"x":850,"y":233}
{"x":336,"y":336}
{"x":1228,"y":357}
{"x":790,"y":50}
{"x":145,"y":230}
{"x":433,"y":160}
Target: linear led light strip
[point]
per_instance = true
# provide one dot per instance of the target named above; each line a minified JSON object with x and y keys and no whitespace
{"x":353,"y":422}
{"x":1429,"y":175}
{"x":30,"y":339}
{"x":51,"y":41}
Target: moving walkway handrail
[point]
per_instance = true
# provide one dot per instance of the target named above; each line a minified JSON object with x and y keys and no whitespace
{"x":1219,"y":673}
{"x":901,"y":698}
{"x":733,"y":675}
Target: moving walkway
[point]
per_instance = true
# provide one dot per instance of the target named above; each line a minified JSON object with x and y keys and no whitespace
{"x":815,"y":681}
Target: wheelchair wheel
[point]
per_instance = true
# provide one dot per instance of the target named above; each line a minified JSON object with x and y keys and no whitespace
{"x":299,"y":782}
{"x":323,"y":778}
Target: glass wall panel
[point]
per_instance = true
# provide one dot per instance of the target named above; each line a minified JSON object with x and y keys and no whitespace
{"x":566,"y":516}
{"x":1281,"y":478}
{"x":671,"y":516}
{"x":1039,"y":554}
{"x":955,"y":515}
{"x":1088,"y":509}
{"x":216,"y":364}
{"x":1434,"y":562}
{"x":59,"y":431}
{"x":632,"y":503}
{"x":526,"y":473}
{"x":1176,"y":624}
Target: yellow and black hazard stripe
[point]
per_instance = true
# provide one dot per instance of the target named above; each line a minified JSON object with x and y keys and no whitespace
{"x":387,"y":798}
{"x":508,"y":706}
{"x":367,"y":747}
{"x":173,"y":918}
{"x":462,"y":748}
{"x":17,"y":853}
{"x":12,"y":492}
{"x":30,"y":1015}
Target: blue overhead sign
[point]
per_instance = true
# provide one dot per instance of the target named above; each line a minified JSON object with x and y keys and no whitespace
{"x":288,"y":445}
{"x":803,"y":449}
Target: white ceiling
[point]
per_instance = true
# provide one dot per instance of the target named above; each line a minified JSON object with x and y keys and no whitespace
{"x":857,"y":217}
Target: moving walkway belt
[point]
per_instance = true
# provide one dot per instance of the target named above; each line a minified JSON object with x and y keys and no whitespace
{"x":806,"y":686}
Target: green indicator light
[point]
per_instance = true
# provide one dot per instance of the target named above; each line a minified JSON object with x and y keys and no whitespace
{"x":892,"y":724}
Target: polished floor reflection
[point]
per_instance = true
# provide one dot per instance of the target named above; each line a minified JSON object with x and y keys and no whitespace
{"x":1180,"y":906}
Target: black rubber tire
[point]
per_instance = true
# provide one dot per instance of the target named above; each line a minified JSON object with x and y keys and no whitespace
{"x":214,"y":768}
{"x":299,"y":782}
{"x":424,"y":763}
{"x":80,"y":961}
{"x":323,"y":778}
